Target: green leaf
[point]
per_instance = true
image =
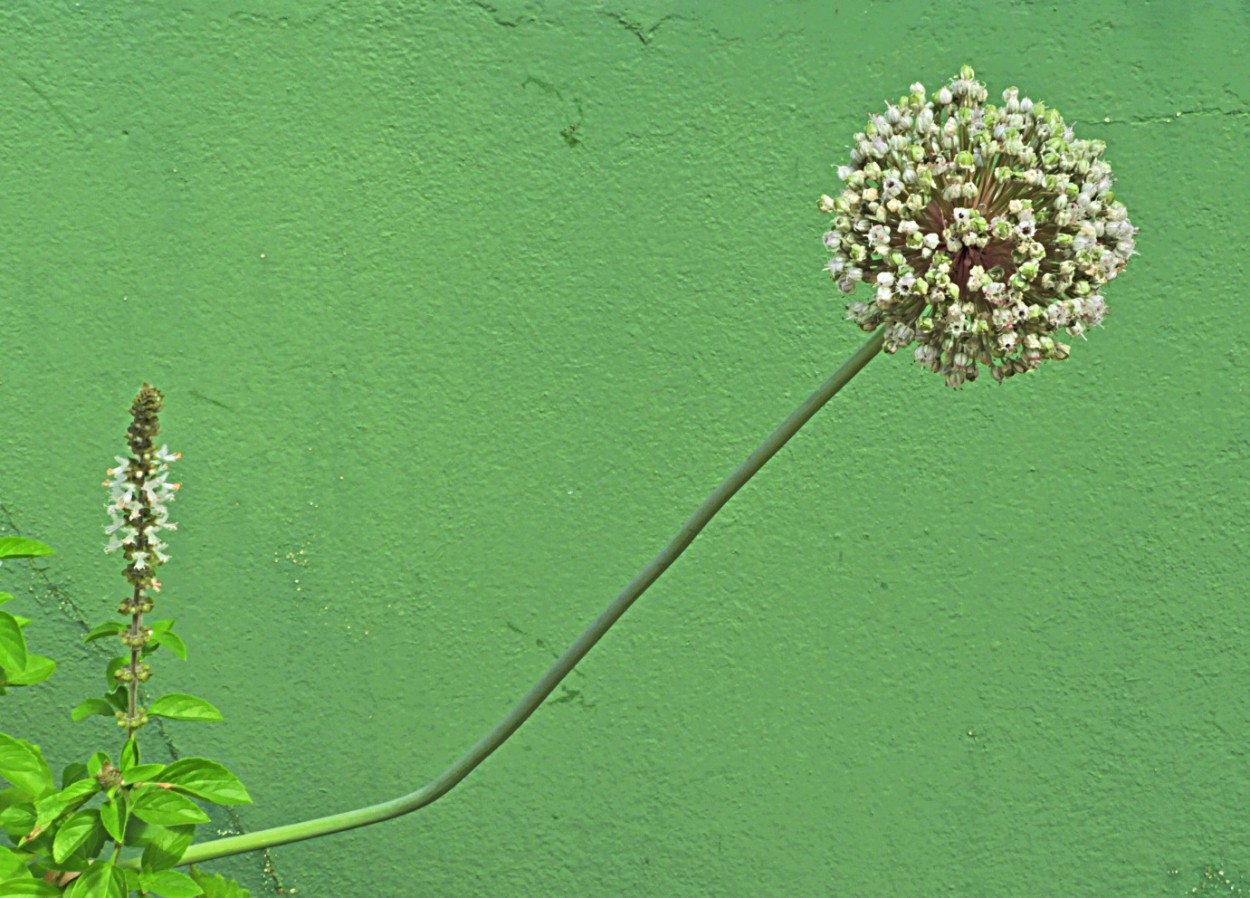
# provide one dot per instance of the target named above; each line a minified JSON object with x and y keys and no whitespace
{"x":217,"y":886}
{"x":12,"y":643}
{"x":142,"y":773}
{"x":28,"y":887}
{"x":118,"y":697}
{"x":96,"y":763}
{"x":91,"y":707}
{"x":206,"y":779}
{"x":153,"y":804}
{"x":5,"y":597}
{"x":113,"y":815}
{"x":50,"y":807}
{"x":38,"y":668}
{"x":164,"y":846}
{"x":171,"y":641}
{"x":76,"y":832}
{"x":101,"y":880}
{"x":130,"y":753}
{"x":18,"y":820}
{"x":12,"y":863}
{"x":169,"y":884}
{"x":109,"y":628}
{"x":73,"y":772}
{"x":112,"y":667}
{"x":22,"y":764}
{"x":19,"y":547}
{"x":178,"y":706}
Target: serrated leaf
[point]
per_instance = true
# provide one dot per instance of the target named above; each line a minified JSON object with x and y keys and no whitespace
{"x":206,"y":779}
{"x":169,"y":884}
{"x":164,"y":807}
{"x":142,"y":773}
{"x":109,"y":628}
{"x":50,"y":807}
{"x":38,"y":668}
{"x":179,"y":706}
{"x":165,"y":846}
{"x":12,"y":643}
{"x":76,"y":831}
{"x":217,"y":886}
{"x":20,"y":547}
{"x":91,"y":707}
{"x":22,"y":764}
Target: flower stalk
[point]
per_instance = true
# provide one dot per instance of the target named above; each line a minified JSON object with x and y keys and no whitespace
{"x":982,"y":230}
{"x":139,"y":493}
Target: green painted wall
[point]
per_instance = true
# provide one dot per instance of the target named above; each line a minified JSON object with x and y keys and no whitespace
{"x":461,"y":308}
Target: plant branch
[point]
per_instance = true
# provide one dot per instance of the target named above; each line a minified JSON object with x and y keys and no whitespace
{"x":482,"y":749}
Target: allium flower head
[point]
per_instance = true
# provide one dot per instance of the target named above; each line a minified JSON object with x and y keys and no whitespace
{"x":983,"y":230}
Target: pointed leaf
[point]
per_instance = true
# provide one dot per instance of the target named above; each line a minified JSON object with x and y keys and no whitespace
{"x":12,"y":643}
{"x":52,"y":806}
{"x":109,"y":628}
{"x":130,"y":753}
{"x":91,"y":707}
{"x":169,"y":884}
{"x":178,"y":706}
{"x":76,"y":832}
{"x":73,"y":772}
{"x":165,"y":846}
{"x":38,"y":668}
{"x":22,"y":764}
{"x":5,"y":597}
{"x":101,"y":880}
{"x":206,"y":779}
{"x":96,"y":763}
{"x":113,"y":815}
{"x":163,"y":807}
{"x":142,"y":773}
{"x":112,"y":667}
{"x":19,"y":547}
{"x":171,"y":641}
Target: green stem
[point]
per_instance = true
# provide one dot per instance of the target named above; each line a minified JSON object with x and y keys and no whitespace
{"x":444,"y":782}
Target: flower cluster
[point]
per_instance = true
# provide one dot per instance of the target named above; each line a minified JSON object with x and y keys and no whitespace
{"x":139,"y":493}
{"x":983,"y":230}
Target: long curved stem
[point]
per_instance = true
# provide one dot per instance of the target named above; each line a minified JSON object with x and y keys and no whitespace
{"x":481,"y":750}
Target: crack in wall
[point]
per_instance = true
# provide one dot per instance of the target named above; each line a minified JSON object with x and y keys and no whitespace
{"x":567,"y":693}
{"x":1167,"y":117}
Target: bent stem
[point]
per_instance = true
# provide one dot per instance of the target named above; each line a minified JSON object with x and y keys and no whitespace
{"x":482,"y":749}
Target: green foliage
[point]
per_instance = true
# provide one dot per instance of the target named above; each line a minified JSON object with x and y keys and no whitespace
{"x":109,"y":831}
{"x":177,"y":706}
{"x":18,"y":667}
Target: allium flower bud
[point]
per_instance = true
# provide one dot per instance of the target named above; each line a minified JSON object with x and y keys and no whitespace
{"x":985,"y":229}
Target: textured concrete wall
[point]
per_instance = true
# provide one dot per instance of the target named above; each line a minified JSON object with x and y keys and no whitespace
{"x":461,"y":308}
